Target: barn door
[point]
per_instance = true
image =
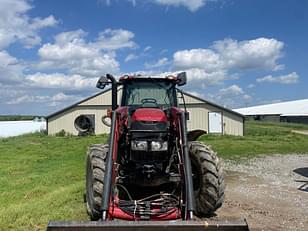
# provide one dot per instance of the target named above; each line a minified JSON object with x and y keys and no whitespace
{"x":215,"y":122}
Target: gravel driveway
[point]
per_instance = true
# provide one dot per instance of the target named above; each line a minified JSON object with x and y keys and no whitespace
{"x":270,"y":192}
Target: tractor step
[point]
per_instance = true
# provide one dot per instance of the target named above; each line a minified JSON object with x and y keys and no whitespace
{"x":176,"y":225}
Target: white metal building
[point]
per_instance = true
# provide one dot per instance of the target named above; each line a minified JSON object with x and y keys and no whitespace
{"x":291,"y":111}
{"x":17,"y":128}
{"x":203,"y":115}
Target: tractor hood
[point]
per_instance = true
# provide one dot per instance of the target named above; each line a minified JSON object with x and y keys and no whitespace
{"x":149,"y":114}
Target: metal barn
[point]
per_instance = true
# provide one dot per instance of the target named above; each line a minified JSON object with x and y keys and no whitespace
{"x":295,"y":111}
{"x":204,"y":115}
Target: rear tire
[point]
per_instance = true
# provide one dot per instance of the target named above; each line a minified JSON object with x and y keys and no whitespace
{"x":95,"y":172}
{"x":208,"y":179}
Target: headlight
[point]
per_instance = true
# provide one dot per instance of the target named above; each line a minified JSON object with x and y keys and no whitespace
{"x":159,"y":146}
{"x":139,"y":145}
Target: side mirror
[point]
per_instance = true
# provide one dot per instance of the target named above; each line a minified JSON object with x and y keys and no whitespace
{"x":181,"y":78}
{"x":102,"y":82}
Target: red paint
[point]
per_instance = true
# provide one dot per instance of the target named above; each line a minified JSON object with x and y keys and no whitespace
{"x":117,"y":213}
{"x":141,"y":114}
{"x":123,"y":112}
{"x":149,"y":114}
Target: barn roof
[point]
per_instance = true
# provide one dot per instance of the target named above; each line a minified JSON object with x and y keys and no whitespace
{"x":289,"y":108}
{"x":109,"y":89}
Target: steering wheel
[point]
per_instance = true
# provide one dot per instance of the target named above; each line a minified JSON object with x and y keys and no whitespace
{"x":149,"y":101}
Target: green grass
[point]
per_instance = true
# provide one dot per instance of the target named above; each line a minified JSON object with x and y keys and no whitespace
{"x":260,"y":138}
{"x":42,"y":178}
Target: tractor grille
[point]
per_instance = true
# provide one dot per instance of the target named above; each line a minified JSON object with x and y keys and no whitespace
{"x":149,"y":126}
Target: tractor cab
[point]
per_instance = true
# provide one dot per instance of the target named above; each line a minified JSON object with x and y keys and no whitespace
{"x":148,"y":92}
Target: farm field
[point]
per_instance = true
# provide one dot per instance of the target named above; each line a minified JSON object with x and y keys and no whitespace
{"x":261,"y":138}
{"x":42,"y":178}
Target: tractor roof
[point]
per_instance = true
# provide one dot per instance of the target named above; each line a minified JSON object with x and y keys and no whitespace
{"x":146,"y":77}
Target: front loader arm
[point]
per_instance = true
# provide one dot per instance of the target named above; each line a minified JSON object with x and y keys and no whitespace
{"x":110,"y":160}
{"x":190,"y":197}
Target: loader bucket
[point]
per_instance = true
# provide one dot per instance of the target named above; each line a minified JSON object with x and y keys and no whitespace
{"x":175,"y":225}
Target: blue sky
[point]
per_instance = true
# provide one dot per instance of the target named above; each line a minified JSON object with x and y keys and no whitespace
{"x":236,"y":53}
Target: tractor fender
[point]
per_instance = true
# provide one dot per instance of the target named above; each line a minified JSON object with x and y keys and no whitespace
{"x":195,"y":134}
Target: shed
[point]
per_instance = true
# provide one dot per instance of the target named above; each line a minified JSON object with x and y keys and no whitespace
{"x":204,"y":115}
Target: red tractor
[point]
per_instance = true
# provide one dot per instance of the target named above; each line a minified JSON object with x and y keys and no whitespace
{"x":152,"y":174}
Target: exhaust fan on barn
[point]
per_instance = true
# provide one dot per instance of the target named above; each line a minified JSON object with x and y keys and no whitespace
{"x":85,"y":124}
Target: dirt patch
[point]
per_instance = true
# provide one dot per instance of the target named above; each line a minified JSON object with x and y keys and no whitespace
{"x":270,"y":192}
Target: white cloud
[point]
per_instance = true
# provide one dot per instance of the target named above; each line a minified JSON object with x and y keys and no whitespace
{"x":28,"y":99}
{"x":115,"y":39}
{"x":160,"y":63}
{"x":147,"y":48}
{"x":71,"y":51}
{"x":251,"y":85}
{"x":291,"y":78}
{"x":49,"y":100}
{"x":247,"y":97}
{"x":61,"y":97}
{"x":17,"y":26}
{"x":201,"y":78}
{"x":38,"y":23}
{"x":7,"y":93}
{"x":192,"y":5}
{"x":71,"y":64}
{"x":232,"y":96}
{"x":130,"y":57}
{"x":60,"y":80}
{"x":196,"y":77}
{"x":205,"y":59}
{"x":68,"y":46}
{"x":225,"y":57}
{"x":11,"y":70}
{"x":261,"y":53}
{"x":76,"y":36}
{"x":233,"y":90}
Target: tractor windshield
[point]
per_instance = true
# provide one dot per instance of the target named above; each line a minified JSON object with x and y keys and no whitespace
{"x":149,"y":93}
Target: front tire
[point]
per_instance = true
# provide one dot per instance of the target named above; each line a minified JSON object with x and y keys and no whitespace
{"x":95,"y":172}
{"x":208,"y":179}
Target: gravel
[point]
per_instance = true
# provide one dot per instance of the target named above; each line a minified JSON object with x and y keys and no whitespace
{"x":271,"y":192}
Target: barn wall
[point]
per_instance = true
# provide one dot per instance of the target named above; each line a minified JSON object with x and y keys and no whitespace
{"x":294,"y":119}
{"x":198,"y":117}
{"x":65,"y":120}
{"x":233,"y":124}
{"x":267,"y":118}
{"x":199,"y":110}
